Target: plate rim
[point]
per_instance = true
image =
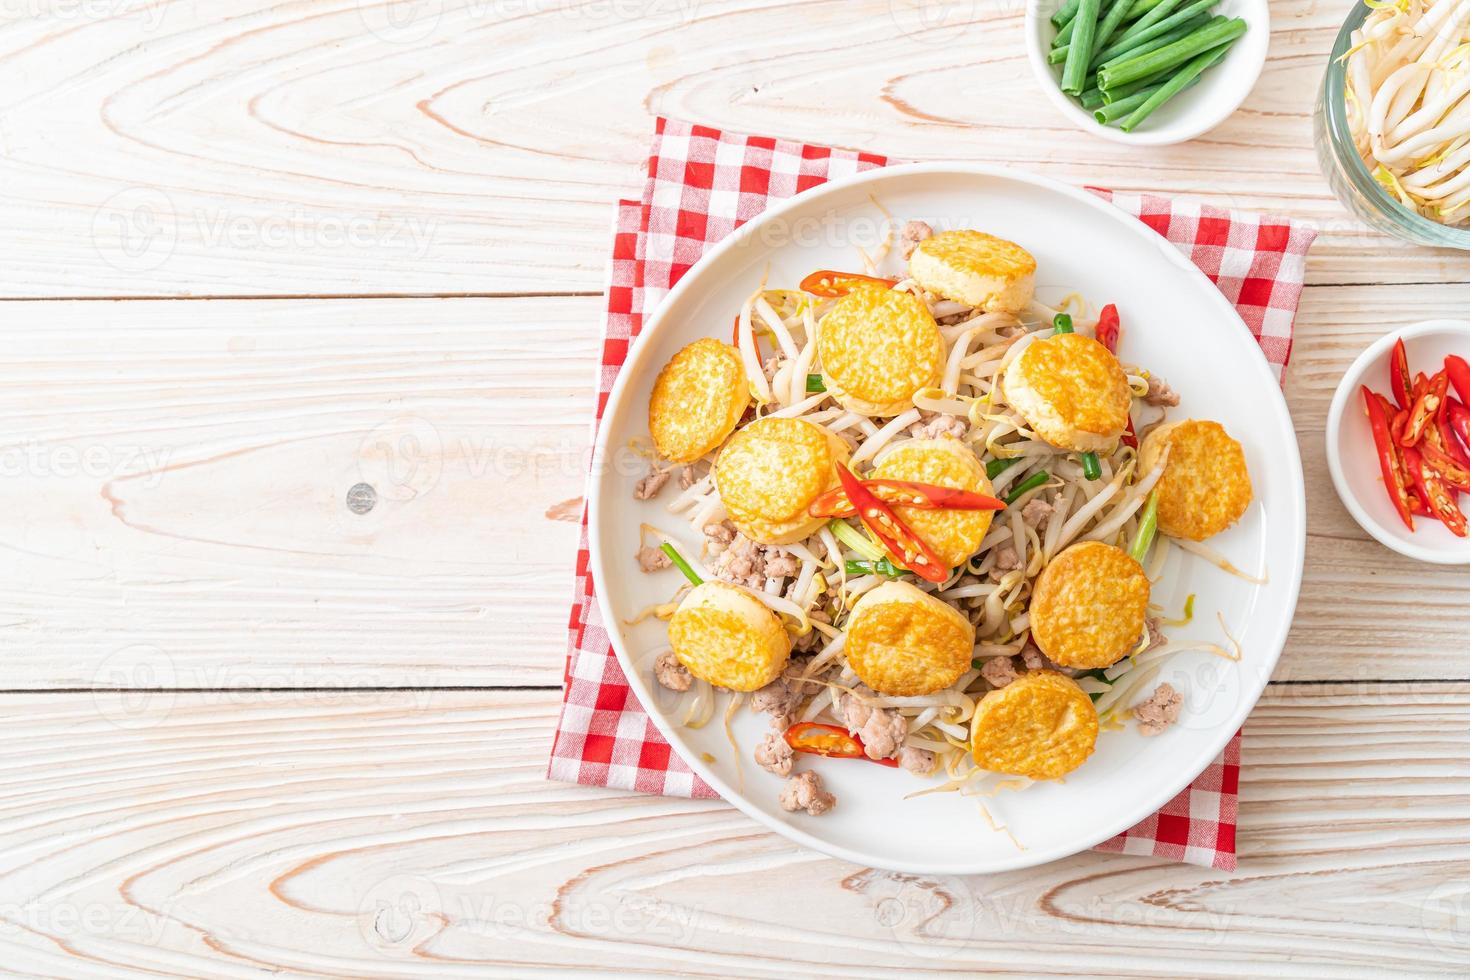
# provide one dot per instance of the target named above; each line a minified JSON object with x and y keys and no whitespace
{"x":1252,"y":688}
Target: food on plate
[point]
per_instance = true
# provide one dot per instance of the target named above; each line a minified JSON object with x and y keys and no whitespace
{"x":1422,"y":440}
{"x":770,"y":472}
{"x":904,"y":642}
{"x":722,"y":635}
{"x":980,"y":270}
{"x":1123,"y":59}
{"x":1405,"y":88}
{"x":1205,"y":487}
{"x":1041,"y":725}
{"x":698,"y":399}
{"x":878,"y":347}
{"x":1089,"y":605}
{"x":913,"y":555}
{"x":954,"y":535}
{"x":1071,"y":391}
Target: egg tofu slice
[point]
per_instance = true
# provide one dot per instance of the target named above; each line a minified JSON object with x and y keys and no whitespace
{"x":1205,"y":487}
{"x":698,"y":399}
{"x":770,"y":472}
{"x":1041,"y":725}
{"x":954,"y":535}
{"x":877,"y":348}
{"x":1071,"y":391}
{"x":904,"y":642}
{"x":990,"y":273}
{"x":1088,"y":606}
{"x":723,"y":635}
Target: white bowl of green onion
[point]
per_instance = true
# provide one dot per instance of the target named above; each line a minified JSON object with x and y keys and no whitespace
{"x":1152,"y":72}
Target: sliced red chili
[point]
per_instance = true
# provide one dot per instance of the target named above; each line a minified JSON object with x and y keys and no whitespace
{"x":1444,"y":466}
{"x":830,"y":285}
{"x":1458,"y":370}
{"x":902,"y":543}
{"x":904,"y":493}
{"x":1109,"y":325}
{"x":830,"y":741}
{"x":1459,"y":419}
{"x":1426,"y":406}
{"x":1445,"y":429}
{"x":1438,"y":496}
{"x":1399,"y":375}
{"x":1389,"y":460}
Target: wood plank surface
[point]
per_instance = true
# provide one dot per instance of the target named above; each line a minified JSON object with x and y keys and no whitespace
{"x":184,"y":468}
{"x":411,"y":834}
{"x":259,"y":147}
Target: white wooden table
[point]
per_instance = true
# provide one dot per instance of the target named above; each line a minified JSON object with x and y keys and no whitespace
{"x":254,"y":254}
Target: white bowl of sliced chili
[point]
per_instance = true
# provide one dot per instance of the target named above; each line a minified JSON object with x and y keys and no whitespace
{"x":1405,"y":495}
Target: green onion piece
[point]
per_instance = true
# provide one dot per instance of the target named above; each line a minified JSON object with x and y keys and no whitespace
{"x":1058,"y":55}
{"x":977,"y":663}
{"x":882,"y":567}
{"x":1091,"y":467}
{"x":1064,"y":36}
{"x":1162,"y":27}
{"x":996,"y":467}
{"x":1119,"y":108}
{"x":1142,"y":7}
{"x":1156,"y":15}
{"x":1079,"y":51}
{"x":1147,"y":528}
{"x":1122,"y":92}
{"x":681,"y":564}
{"x":1186,"y":50}
{"x":1163,"y":40}
{"x":1026,"y":486}
{"x":1110,"y":24}
{"x":1187,"y":76}
{"x":855,"y":539}
{"x":814,"y":384}
{"x":1062,"y":323}
{"x":1097,"y":673}
{"x":1093,"y":98}
{"x":1065,"y":13}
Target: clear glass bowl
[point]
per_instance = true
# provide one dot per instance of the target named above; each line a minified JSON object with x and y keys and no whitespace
{"x":1344,"y":169}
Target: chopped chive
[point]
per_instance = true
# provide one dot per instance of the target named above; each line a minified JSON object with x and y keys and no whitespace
{"x":680,"y":563}
{"x":1148,"y":526}
{"x":882,"y":567}
{"x":1181,"y":81}
{"x":1065,"y":13}
{"x":855,"y":539}
{"x":1156,"y":15}
{"x":814,"y":384}
{"x":1093,"y":98}
{"x":1162,"y":27}
{"x":1026,"y":486}
{"x":1110,"y":23}
{"x":1163,"y":40}
{"x":996,"y":467}
{"x":1091,"y":467}
{"x":1062,"y":323}
{"x":1186,"y":50}
{"x":1079,"y":53}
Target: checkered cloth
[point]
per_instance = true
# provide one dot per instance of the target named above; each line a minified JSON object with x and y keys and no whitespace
{"x":703,"y":184}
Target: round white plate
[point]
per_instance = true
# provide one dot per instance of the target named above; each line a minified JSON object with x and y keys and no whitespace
{"x":1174,"y":322}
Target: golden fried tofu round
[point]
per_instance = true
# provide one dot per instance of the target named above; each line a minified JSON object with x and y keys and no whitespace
{"x":1205,"y":487}
{"x":771,"y":470}
{"x":729,"y":638}
{"x":1088,"y":606}
{"x":904,"y":642}
{"x":953,"y":534}
{"x":697,"y":400}
{"x":1072,"y":391}
{"x":1040,"y":725}
{"x":972,"y":267}
{"x":878,"y":347}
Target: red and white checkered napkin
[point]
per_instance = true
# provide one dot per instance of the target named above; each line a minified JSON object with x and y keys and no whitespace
{"x":702,"y":184}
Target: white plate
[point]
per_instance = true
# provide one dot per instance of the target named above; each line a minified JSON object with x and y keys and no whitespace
{"x":1175,"y":322}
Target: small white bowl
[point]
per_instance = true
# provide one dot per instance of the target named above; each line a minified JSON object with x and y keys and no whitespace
{"x":1192,"y":113}
{"x":1351,"y":457}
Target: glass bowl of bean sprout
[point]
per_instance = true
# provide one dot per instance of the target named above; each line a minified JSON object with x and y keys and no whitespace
{"x":1392,"y":128}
